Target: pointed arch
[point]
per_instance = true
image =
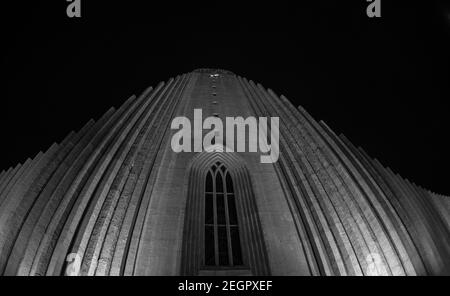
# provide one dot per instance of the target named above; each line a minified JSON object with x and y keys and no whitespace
{"x":222,"y":230}
{"x":222,"y":243}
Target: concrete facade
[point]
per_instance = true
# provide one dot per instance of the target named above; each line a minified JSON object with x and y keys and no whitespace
{"x":116,"y":194}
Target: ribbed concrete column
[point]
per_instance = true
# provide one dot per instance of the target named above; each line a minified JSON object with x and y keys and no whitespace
{"x":118,"y":196}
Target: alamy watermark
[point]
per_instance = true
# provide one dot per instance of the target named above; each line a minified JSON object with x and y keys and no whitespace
{"x":374,"y":8}
{"x":256,"y":139}
{"x":74,"y":8}
{"x":73,"y":264}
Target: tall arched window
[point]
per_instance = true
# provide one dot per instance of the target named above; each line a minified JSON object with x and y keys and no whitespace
{"x":221,"y":239}
{"x":222,"y":233}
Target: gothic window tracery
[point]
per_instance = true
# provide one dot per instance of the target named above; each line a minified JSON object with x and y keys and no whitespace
{"x":222,"y":242}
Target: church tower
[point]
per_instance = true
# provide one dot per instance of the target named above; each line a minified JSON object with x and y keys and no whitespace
{"x":115,"y":198}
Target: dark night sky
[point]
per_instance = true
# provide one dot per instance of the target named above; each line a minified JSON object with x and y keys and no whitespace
{"x":384,"y":83}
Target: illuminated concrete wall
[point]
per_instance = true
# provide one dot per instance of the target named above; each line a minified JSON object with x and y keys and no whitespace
{"x":116,"y":194}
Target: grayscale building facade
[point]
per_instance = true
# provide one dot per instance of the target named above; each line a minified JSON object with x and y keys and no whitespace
{"x":116,"y":195}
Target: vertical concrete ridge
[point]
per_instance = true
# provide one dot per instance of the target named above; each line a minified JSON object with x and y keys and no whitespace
{"x":73,"y":165}
{"x":132,"y":197}
{"x":136,"y":242}
{"x":21,"y":178}
{"x":52,"y":161}
{"x":113,"y":193}
{"x":93,"y":152}
{"x":356,"y":178}
{"x":341,"y":176}
{"x":89,"y":192}
{"x":413,"y":214}
{"x":369,"y":200}
{"x":325,"y":187}
{"x":99,"y":264}
{"x":66,"y":154}
{"x":105,"y":208}
{"x":436,"y":226}
{"x":397,"y":230}
{"x":16,"y":175}
{"x":22,"y":199}
{"x":102,"y":223}
{"x":120,"y":240}
{"x":410,"y":199}
{"x":8,"y":175}
{"x":324,"y":157}
{"x":125,"y":240}
{"x":323,"y":258}
{"x":383,"y":239}
{"x":291,"y":123}
{"x":26,"y":201}
{"x":442,"y":205}
{"x":422,"y":230}
{"x":285,"y":145}
{"x":2,"y":175}
{"x":118,"y":175}
{"x":111,"y":240}
{"x":407,"y":217}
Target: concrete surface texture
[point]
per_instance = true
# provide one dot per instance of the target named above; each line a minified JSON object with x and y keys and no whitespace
{"x":117,"y":195}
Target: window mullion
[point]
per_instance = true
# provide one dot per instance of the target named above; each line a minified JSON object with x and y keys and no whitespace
{"x":227,"y":217}
{"x":216,"y":234}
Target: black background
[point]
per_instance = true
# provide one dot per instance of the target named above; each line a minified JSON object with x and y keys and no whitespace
{"x":384,"y":83}
{"x":280,"y":285}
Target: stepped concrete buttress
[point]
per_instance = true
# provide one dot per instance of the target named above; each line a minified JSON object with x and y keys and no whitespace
{"x":118,"y":196}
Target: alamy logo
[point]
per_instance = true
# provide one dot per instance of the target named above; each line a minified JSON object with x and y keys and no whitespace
{"x":374,"y":8}
{"x":73,"y":264}
{"x":256,"y":137}
{"x":74,"y":8}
